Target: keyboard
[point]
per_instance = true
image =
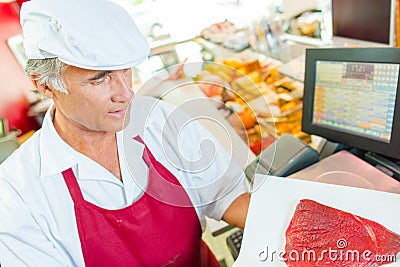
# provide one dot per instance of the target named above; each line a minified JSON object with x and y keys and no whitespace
{"x":234,"y":242}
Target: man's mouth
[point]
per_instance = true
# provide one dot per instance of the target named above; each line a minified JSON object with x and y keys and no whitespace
{"x":119,"y":113}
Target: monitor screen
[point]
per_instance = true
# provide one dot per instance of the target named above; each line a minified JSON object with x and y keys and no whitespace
{"x":351,"y":97}
{"x":356,"y":97}
{"x":367,"y":20}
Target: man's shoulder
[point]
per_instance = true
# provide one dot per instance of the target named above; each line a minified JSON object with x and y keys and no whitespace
{"x":25,"y":159}
{"x":149,"y":111}
{"x":150,"y":104}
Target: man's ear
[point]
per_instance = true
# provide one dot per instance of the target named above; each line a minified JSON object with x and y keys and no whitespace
{"x":42,"y":88}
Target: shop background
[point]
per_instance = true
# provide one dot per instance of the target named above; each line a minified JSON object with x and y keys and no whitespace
{"x":15,"y":87}
{"x":178,"y":19}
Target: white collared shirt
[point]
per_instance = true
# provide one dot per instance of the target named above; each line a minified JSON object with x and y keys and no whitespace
{"x":37,"y":220}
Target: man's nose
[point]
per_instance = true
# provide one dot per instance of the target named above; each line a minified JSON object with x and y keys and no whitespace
{"x":122,"y":86}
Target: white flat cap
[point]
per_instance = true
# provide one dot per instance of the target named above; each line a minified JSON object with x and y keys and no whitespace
{"x":90,"y":34}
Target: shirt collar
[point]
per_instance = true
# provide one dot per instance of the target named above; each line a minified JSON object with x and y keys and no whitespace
{"x":56,"y":155}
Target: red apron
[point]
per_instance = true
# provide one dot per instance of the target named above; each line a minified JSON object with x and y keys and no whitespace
{"x":150,"y":232}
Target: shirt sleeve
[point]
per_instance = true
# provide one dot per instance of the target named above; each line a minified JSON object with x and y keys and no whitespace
{"x":22,"y":241}
{"x":212,"y":172}
{"x":208,"y":172}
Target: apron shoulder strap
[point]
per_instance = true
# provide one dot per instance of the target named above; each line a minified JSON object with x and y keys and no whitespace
{"x":72,"y":184}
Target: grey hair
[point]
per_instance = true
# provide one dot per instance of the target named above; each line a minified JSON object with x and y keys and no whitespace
{"x":49,"y":71}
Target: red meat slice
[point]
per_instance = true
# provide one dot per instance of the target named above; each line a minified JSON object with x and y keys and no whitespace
{"x":320,"y":235}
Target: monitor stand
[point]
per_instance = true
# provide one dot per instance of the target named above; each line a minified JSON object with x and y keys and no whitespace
{"x":384,"y":164}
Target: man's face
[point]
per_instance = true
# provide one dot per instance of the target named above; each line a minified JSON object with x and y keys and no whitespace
{"x":97,"y":100}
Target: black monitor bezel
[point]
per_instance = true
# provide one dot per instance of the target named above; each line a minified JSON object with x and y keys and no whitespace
{"x":368,"y":55}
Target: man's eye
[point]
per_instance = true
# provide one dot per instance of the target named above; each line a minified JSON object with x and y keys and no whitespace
{"x":101,"y":80}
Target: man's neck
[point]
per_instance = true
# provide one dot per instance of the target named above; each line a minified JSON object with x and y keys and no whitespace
{"x":96,"y":145}
{"x":82,"y":140}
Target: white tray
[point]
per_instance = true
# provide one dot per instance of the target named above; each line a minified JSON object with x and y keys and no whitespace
{"x":274,"y":201}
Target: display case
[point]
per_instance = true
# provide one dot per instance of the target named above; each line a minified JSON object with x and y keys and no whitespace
{"x":245,"y":87}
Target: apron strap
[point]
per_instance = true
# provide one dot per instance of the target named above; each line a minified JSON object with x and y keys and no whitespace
{"x":147,"y":155}
{"x":72,"y":184}
{"x":139,"y":139}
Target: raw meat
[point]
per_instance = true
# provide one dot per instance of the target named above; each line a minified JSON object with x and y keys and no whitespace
{"x":319,"y":235}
